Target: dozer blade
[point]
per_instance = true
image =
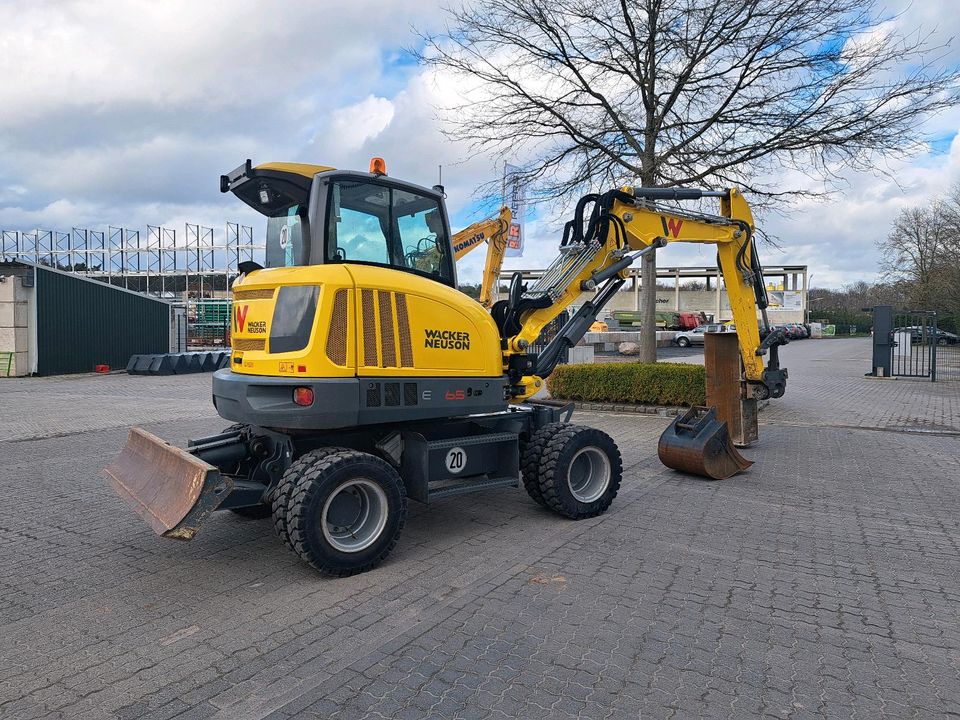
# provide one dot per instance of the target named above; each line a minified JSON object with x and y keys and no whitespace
{"x":171,"y":489}
{"x":698,"y":443}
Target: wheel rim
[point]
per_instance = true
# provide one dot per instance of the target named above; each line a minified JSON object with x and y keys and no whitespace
{"x":354,"y":515}
{"x":589,"y":474}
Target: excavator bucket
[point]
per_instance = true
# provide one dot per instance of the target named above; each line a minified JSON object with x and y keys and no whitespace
{"x":699,"y":444}
{"x":172,"y":490}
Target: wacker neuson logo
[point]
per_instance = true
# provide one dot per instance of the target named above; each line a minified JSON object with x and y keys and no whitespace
{"x":447,"y":340}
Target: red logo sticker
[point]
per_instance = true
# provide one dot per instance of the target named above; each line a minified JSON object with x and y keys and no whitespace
{"x":240,"y":317}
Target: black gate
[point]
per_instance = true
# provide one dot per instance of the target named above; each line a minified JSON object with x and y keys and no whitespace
{"x":910,"y":344}
{"x":913,"y":352}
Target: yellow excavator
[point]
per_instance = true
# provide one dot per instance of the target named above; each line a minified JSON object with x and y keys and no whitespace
{"x":492,"y":231}
{"x":361,"y":377}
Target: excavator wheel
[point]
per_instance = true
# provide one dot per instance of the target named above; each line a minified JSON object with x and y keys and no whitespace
{"x":531,"y":452}
{"x":280,"y":495}
{"x":580,"y":472}
{"x":345,"y":511}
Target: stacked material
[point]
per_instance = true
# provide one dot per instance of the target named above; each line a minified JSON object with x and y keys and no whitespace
{"x":178,"y":363}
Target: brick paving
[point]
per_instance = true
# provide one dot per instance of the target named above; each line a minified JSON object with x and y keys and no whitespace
{"x":825,"y":582}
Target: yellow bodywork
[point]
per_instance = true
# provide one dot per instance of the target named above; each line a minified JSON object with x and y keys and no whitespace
{"x":370,"y":321}
{"x":493,"y":232}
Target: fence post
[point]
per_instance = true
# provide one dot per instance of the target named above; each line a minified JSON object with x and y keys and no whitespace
{"x":934,"y":344}
{"x":882,"y":340}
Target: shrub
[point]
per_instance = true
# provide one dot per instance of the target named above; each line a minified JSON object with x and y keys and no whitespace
{"x":645,"y":383}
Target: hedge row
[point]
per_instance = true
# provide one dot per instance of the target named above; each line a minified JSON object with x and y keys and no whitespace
{"x":642,"y":383}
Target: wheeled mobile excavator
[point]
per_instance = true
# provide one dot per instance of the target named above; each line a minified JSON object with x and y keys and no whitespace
{"x":361,"y":377}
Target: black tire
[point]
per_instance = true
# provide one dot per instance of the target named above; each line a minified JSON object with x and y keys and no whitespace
{"x":580,"y":472}
{"x":941,"y":341}
{"x":280,"y":495}
{"x":683,"y":342}
{"x":253,"y":512}
{"x":531,"y":453}
{"x":357,"y":489}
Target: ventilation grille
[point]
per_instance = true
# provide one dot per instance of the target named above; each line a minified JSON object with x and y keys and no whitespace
{"x":253,"y":294}
{"x":370,"y":358}
{"x":385,"y":324}
{"x":373,"y":395}
{"x":337,"y":336}
{"x":403,"y":328}
{"x":388,"y":345}
{"x":410,"y":394}
{"x":391,"y":394}
{"x":244,"y":344}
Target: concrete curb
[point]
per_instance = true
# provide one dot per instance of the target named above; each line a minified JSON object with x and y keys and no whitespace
{"x":669,"y":411}
{"x":660,"y":410}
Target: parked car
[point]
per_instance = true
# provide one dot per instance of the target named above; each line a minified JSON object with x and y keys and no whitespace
{"x":794,"y":331}
{"x":695,"y":336}
{"x":920,"y":334}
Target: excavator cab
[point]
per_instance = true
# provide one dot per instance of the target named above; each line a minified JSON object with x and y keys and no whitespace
{"x":317,"y":215}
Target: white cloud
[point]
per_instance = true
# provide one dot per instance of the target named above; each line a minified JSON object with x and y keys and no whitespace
{"x":354,"y":125}
{"x":128,"y":112}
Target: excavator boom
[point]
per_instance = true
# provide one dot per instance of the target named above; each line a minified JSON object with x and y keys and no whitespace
{"x":493,"y":232}
{"x":597,"y":249}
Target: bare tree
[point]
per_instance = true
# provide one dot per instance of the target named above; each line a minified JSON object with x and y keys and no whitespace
{"x":602,"y":93}
{"x":947,"y":266}
{"x":915,"y":251}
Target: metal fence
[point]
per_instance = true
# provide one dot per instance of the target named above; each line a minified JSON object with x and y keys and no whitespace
{"x":910,"y":344}
{"x":203,"y":325}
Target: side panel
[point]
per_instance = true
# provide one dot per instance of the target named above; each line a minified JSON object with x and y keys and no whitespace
{"x":391,"y":399}
{"x":348,"y":402}
{"x":414,"y":327}
{"x":328,"y":350}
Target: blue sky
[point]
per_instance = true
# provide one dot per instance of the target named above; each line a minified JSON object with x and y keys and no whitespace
{"x":105,"y":123}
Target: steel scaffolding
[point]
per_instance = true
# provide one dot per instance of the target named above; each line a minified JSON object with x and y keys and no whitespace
{"x":194,"y":264}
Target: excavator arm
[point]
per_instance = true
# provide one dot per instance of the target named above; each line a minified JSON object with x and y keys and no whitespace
{"x":493,"y":232}
{"x":597,"y":249}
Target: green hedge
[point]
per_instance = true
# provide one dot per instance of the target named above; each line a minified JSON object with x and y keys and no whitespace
{"x":644,"y":383}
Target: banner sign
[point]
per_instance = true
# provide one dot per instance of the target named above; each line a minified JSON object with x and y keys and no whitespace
{"x":785,"y":300}
{"x":515,"y":196}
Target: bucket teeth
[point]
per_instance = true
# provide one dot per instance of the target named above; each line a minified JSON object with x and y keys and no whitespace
{"x":172,"y":490}
{"x":699,"y":444}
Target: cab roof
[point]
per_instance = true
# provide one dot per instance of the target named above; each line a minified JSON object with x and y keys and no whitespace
{"x":305,"y":169}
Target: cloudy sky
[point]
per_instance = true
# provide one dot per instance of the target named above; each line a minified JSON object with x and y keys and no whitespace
{"x":126,"y":113}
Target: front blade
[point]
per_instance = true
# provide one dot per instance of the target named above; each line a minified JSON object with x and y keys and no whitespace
{"x":172,"y":490}
{"x":698,"y":443}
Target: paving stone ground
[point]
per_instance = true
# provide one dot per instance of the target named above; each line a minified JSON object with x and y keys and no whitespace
{"x":825,"y":582}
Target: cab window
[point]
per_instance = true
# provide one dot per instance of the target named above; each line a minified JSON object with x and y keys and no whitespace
{"x":285,"y":247}
{"x":382,"y":225}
